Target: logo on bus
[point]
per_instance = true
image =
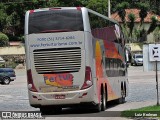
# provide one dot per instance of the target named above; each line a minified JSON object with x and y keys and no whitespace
{"x":59,"y":80}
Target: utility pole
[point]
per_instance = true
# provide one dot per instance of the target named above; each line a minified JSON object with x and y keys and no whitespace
{"x":109,"y":9}
{"x":157,"y":84}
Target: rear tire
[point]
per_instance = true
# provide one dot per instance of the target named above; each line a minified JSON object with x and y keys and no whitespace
{"x":103,"y":102}
{"x":102,"y":105}
{"x":135,"y":64}
{"x":121,"y":100}
{"x":50,"y":110}
{"x":45,"y":111}
{"x":57,"y":110}
{"x":131,"y":64}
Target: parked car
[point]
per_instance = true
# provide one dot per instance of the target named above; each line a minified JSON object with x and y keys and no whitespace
{"x":137,"y":59}
{"x":7,"y":75}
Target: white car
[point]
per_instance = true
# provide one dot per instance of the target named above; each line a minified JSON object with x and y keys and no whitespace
{"x":137,"y":59}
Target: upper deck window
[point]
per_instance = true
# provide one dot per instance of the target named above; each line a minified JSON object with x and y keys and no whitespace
{"x":55,"y":21}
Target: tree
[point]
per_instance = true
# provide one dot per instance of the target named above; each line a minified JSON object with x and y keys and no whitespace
{"x":3,"y":40}
{"x":12,"y":13}
{"x":3,"y":16}
{"x":121,"y":10}
{"x":98,"y":6}
{"x":157,"y":34}
{"x":131,"y":17}
{"x":153,"y":25}
{"x":73,"y":3}
{"x":143,"y":11}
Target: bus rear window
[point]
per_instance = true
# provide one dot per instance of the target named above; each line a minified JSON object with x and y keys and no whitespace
{"x":55,"y":21}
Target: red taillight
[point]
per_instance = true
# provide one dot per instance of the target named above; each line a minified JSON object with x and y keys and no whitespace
{"x":31,"y":11}
{"x":31,"y":86}
{"x":79,"y":8}
{"x":88,"y":78}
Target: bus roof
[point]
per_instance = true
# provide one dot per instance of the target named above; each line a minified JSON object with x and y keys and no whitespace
{"x":78,"y":8}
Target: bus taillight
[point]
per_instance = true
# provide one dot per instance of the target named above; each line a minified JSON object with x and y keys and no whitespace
{"x":79,"y":8}
{"x":31,"y":86}
{"x":88,"y":78}
{"x":31,"y":11}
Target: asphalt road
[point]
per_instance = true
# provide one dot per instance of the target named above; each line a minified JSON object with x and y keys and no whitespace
{"x":142,"y":92}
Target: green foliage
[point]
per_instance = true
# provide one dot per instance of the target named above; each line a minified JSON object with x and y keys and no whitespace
{"x":123,"y":5}
{"x":138,"y":33}
{"x":98,"y":5}
{"x":53,"y":3}
{"x":21,"y":38}
{"x":3,"y":40}
{"x":143,"y":11}
{"x":121,"y":10}
{"x":153,"y":25}
{"x":3,"y":16}
{"x":12,"y":13}
{"x":144,"y":110}
{"x":131,"y":17}
{"x":72,"y":3}
{"x":143,"y":35}
{"x":157,"y":34}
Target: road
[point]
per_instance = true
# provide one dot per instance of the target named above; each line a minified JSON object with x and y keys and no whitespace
{"x":142,"y":85}
{"x":142,"y":92}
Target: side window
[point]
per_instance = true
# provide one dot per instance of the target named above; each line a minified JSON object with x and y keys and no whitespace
{"x":9,"y":70}
{"x":1,"y":70}
{"x":102,"y":28}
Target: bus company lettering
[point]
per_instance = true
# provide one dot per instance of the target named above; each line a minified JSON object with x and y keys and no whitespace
{"x":59,"y":80}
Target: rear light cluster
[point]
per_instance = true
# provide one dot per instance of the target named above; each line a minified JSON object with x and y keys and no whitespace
{"x":31,"y":11}
{"x":31,"y":86}
{"x":88,"y":78}
{"x":79,"y":8}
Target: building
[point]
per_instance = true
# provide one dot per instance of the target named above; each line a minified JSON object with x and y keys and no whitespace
{"x":13,"y":55}
{"x":146,"y":24}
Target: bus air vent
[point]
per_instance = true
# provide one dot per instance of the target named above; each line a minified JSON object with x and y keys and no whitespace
{"x":57,"y":60}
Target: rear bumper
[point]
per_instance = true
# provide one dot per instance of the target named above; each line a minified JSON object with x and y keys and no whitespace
{"x":82,"y":104}
{"x":12,"y":78}
{"x":72,"y":98}
{"x":139,"y":63}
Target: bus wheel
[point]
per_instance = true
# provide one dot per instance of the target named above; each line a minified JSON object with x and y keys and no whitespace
{"x":102,"y":105}
{"x":103,"y":101}
{"x":57,"y":110}
{"x":122,"y":98}
{"x":45,"y":110}
{"x":50,"y":110}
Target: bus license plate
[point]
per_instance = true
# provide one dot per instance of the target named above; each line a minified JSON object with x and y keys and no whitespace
{"x":59,"y":96}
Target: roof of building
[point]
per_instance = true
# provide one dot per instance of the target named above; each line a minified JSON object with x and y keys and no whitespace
{"x":136,"y":12}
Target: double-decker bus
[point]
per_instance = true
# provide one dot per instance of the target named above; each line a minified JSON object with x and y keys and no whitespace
{"x":74,"y":56}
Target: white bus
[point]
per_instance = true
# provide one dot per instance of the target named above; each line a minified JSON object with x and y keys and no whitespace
{"x":74,"y":56}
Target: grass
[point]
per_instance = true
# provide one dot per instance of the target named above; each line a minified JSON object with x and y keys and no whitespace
{"x":150,"y":111}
